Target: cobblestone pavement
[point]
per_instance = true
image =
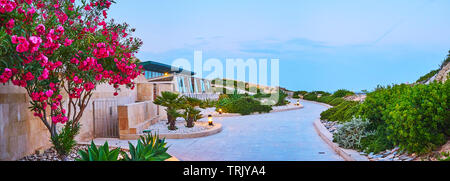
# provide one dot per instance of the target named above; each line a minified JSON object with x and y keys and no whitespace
{"x":282,"y":136}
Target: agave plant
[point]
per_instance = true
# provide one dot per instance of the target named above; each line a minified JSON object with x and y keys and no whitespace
{"x":148,"y":148}
{"x":99,"y":154}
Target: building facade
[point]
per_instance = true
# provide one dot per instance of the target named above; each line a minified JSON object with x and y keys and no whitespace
{"x":181,"y":81}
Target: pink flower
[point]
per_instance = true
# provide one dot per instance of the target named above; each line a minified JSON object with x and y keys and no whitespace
{"x":10,"y":24}
{"x":44,"y":75}
{"x":60,"y":29}
{"x":49,"y":93}
{"x":23,"y":43}
{"x":74,"y":61}
{"x":23,"y":47}
{"x":31,"y":11}
{"x":14,"y":39}
{"x":35,"y":40}
{"x":40,"y":29}
{"x":87,"y":8}
{"x":54,"y":106}
{"x":98,"y":77}
{"x":68,"y":42}
{"x":28,"y":76}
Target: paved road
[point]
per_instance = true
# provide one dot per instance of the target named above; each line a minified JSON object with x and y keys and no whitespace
{"x":283,"y":136}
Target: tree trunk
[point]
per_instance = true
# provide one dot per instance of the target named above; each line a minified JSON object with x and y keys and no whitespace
{"x":168,"y":118}
{"x":190,"y":123}
{"x":172,"y":125}
{"x":171,"y":122}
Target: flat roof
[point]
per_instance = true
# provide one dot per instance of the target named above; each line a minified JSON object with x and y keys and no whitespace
{"x":163,"y":68}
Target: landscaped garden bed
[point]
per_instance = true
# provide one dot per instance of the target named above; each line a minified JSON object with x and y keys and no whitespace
{"x":403,"y":122}
{"x":52,"y":155}
{"x":161,"y":127}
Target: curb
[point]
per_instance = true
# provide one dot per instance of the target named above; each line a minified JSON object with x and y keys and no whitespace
{"x":321,"y":103}
{"x":346,"y":154}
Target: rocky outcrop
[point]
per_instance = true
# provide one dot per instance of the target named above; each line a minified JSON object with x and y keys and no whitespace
{"x":356,"y":97}
{"x":443,"y":75}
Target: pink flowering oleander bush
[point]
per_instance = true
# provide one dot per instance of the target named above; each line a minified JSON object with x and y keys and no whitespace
{"x":50,"y":47}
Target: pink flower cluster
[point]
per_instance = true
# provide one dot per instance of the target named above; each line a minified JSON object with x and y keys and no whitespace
{"x":6,"y":75}
{"x":7,"y":6}
{"x":43,"y":46}
{"x":101,"y":51}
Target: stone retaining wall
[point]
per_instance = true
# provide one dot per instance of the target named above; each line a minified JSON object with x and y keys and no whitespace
{"x":22,"y":134}
{"x":136,"y":117}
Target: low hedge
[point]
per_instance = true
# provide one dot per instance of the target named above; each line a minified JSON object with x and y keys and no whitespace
{"x":344,"y":112}
{"x":325,"y":99}
{"x":343,"y":93}
{"x":310,"y":97}
{"x":336,"y":101}
{"x":242,"y":105}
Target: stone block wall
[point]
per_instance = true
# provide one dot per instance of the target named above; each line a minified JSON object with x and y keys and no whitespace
{"x":136,"y":117}
{"x":20,"y":132}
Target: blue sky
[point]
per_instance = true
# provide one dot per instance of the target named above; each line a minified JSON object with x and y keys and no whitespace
{"x":321,"y":44}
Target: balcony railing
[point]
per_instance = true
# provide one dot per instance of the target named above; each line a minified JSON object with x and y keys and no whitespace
{"x":202,"y":96}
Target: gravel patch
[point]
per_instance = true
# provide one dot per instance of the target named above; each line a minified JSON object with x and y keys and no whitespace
{"x":391,"y":155}
{"x":289,"y":106}
{"x":161,"y":127}
{"x":51,"y":155}
{"x":331,"y":126}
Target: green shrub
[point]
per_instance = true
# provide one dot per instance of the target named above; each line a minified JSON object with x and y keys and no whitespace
{"x":322,"y":93}
{"x":65,"y":140}
{"x":351,"y":133}
{"x":336,"y":101}
{"x":419,"y":120}
{"x":415,"y":118}
{"x":351,"y":112}
{"x":194,"y":102}
{"x":328,"y":113}
{"x":374,"y":107}
{"x":376,"y":141}
{"x":342,"y":113}
{"x":208,"y":103}
{"x":282,"y":99}
{"x":101,"y":153}
{"x":325,"y":99}
{"x":444,"y":156}
{"x":343,"y":93}
{"x":242,"y":105}
{"x":428,"y":76}
{"x":297,"y":94}
{"x":310,"y":97}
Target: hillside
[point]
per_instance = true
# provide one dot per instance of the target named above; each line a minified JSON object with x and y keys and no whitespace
{"x":440,"y":75}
